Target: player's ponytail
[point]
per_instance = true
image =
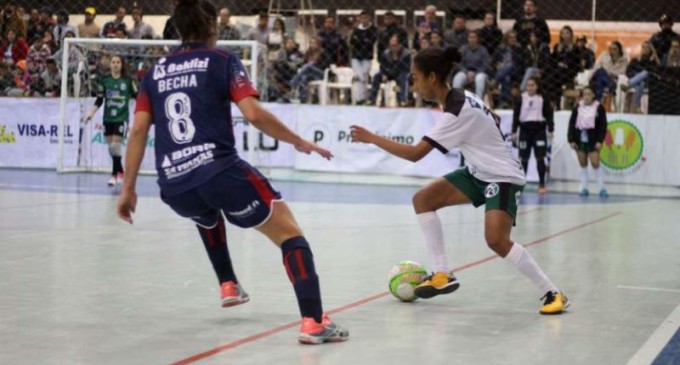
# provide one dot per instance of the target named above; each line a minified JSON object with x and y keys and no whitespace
{"x":438,"y":61}
{"x":195,"y":19}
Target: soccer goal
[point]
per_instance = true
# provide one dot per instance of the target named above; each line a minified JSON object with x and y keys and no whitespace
{"x":86,"y":62}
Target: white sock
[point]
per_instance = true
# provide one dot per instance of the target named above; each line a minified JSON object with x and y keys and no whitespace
{"x":522,"y":259}
{"x":584,"y":178}
{"x":433,"y":234}
{"x":600,"y":177}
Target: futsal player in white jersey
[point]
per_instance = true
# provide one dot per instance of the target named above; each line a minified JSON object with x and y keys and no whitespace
{"x":493,"y":176}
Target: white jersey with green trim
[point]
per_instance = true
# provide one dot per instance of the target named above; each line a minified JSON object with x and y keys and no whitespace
{"x":468,"y":124}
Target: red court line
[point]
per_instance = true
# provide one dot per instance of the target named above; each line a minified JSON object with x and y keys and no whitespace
{"x":273,"y":331}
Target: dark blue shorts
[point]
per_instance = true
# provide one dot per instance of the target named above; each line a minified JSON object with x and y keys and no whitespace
{"x":241,"y":192}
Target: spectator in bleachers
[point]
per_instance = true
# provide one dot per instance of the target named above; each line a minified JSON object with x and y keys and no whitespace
{"x":662,"y":40}
{"x":474,"y":66}
{"x":44,"y":24}
{"x":564,"y":66}
{"x":11,"y":20}
{"x":109,"y":29}
{"x":311,"y":71}
{"x":33,"y":19}
{"x":38,"y":54}
{"x":638,"y":70}
{"x":289,"y":60}
{"x":13,"y":49}
{"x":225,"y":29}
{"x":261,"y":32}
{"x":63,"y":26}
{"x":48,"y":39}
{"x":391,"y":28}
{"x":89,"y":29}
{"x":140,"y":28}
{"x":437,"y":40}
{"x":395,"y":65}
{"x":6,"y":78}
{"x":510,"y":61}
{"x":672,"y":59}
{"x":529,"y":23}
{"x":490,"y":34}
{"x":335,"y":49}
{"x":50,"y":79}
{"x":586,"y":56}
{"x":361,"y":43}
{"x":424,"y":44}
{"x":170,"y":31}
{"x":537,"y":59}
{"x":75,"y":55}
{"x":276,"y":39}
{"x":426,"y":26}
{"x":21,"y":85}
{"x":608,"y":68}
{"x":458,"y":35}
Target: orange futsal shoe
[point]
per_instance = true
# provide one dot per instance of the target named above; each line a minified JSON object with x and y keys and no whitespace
{"x":314,"y":333}
{"x":233,"y":294}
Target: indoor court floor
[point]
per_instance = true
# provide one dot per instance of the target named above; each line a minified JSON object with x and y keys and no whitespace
{"x":78,"y":286}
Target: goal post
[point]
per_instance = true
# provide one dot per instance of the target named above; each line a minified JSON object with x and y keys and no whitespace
{"x":81,"y":146}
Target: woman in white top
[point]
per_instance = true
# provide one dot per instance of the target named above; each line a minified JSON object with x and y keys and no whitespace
{"x":532,"y":128}
{"x":587,"y":132}
{"x":493,"y":177}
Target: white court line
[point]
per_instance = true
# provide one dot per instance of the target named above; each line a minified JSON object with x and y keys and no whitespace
{"x":46,"y":188}
{"x":655,"y":344}
{"x":648,"y":288}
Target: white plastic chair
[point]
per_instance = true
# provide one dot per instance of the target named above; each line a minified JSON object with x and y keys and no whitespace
{"x":344,"y":78}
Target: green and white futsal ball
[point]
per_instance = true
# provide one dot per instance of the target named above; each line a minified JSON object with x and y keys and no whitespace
{"x":404,"y":277}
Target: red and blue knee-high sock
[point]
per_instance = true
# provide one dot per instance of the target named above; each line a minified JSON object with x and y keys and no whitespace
{"x":215,"y":241}
{"x":299,"y":263}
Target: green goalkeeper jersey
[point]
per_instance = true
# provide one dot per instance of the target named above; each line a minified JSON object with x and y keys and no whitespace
{"x":116,"y":94}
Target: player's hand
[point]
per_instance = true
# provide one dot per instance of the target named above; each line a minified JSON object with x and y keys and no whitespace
{"x":574,"y":146}
{"x":361,"y":134}
{"x":127,"y":202}
{"x":551,"y":135}
{"x":88,"y":119}
{"x":515,"y":137}
{"x":598,"y":146}
{"x":308,"y":147}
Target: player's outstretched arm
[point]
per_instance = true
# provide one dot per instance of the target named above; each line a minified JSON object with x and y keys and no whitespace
{"x":405,"y":151}
{"x":134,"y":154}
{"x":268,"y":123}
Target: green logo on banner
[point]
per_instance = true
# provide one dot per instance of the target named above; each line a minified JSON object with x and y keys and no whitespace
{"x":623,"y":146}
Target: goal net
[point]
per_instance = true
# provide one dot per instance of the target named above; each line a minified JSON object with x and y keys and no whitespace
{"x":86,"y":62}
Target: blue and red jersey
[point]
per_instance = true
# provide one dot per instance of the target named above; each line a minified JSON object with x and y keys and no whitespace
{"x":189,"y":94}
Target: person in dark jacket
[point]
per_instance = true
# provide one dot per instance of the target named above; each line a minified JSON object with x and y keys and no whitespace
{"x":586,"y":56}
{"x":529,"y":23}
{"x":537,"y":59}
{"x":638,"y":70}
{"x":391,"y":28}
{"x":395,"y":64}
{"x":564,"y":66}
{"x":510,"y":62}
{"x":361,"y":45}
{"x":335,"y":50}
{"x":490,"y":34}
{"x":587,"y":134}
{"x":662,"y":40}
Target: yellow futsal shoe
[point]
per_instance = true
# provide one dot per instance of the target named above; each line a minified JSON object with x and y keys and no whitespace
{"x":555,"y":303}
{"x":437,"y":283}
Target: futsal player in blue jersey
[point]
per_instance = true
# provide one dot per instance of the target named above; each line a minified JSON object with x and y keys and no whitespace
{"x":187,"y":96}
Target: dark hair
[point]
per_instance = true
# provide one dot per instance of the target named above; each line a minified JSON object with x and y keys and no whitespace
{"x":537,"y":80}
{"x":283,"y":24}
{"x":533,"y":1}
{"x":50,"y":61}
{"x":618,"y":45}
{"x":364,"y":12}
{"x":390,"y":13}
{"x":438,"y":61}
{"x":123,"y":64}
{"x":195,"y":19}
